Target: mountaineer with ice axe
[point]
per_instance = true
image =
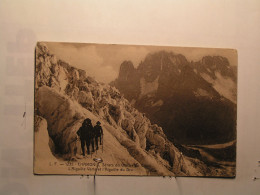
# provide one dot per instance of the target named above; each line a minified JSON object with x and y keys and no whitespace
{"x":98,"y":131}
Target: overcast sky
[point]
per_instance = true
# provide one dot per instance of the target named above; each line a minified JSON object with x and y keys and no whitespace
{"x":103,"y":61}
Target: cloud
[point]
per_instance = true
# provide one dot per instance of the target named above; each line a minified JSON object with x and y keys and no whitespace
{"x":83,"y":57}
{"x":133,"y":53}
{"x":103,"y":61}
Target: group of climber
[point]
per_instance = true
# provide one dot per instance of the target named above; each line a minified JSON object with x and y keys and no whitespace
{"x":90,"y":135}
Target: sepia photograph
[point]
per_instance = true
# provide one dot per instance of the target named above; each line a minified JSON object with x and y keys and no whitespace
{"x":107,"y":109}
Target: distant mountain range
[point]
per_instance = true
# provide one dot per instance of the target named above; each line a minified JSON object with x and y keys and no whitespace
{"x":194,"y":102}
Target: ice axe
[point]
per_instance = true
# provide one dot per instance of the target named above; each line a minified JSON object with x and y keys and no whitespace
{"x":102,"y":142}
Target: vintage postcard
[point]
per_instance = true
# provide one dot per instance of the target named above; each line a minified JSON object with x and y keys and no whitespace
{"x":105,"y":109}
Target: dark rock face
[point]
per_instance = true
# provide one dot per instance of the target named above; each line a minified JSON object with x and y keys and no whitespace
{"x":216,"y":63}
{"x":184,"y":98}
{"x":126,"y":71}
{"x":128,"y":74}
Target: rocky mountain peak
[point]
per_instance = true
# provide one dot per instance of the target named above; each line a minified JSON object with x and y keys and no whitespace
{"x":126,"y":65}
{"x":155,"y":64}
{"x":162,"y":62}
{"x":215,"y":61}
{"x":216,"y":64}
{"x":126,"y":71}
{"x":169,"y":84}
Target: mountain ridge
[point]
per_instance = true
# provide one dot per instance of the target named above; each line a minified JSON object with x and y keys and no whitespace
{"x":167,"y":85}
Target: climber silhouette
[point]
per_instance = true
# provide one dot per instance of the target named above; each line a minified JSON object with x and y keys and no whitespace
{"x":86,"y":135}
{"x":98,"y":131}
